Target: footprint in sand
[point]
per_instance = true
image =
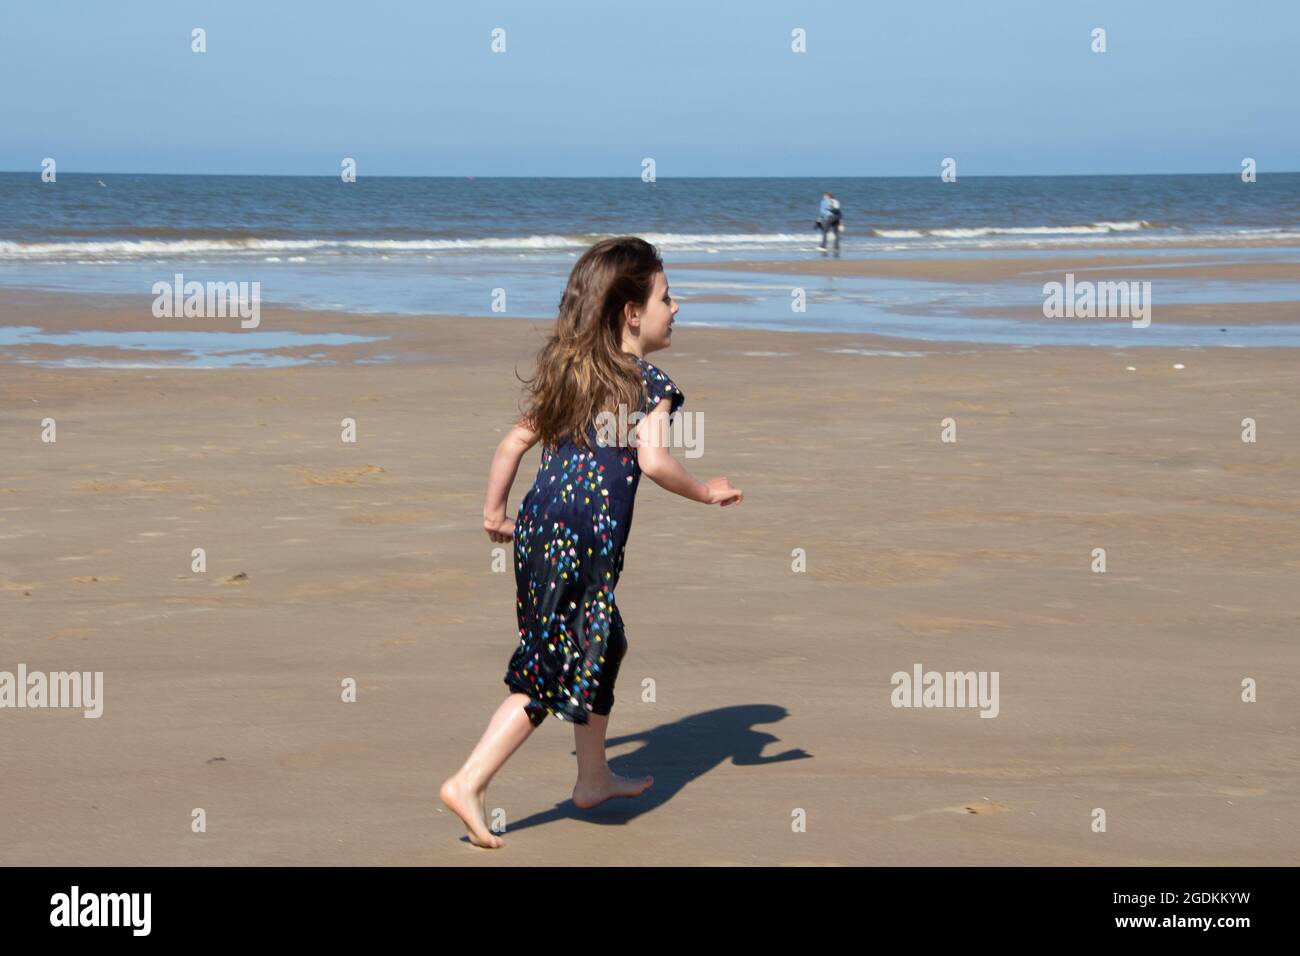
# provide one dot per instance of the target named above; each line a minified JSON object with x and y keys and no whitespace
{"x":389,"y":517}
{"x":978,"y":808}
{"x":332,"y":756}
{"x":343,"y":476}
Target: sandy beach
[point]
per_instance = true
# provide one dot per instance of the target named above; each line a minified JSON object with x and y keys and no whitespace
{"x":328,"y":561}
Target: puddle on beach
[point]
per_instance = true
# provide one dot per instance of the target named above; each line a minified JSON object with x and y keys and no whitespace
{"x":192,"y":349}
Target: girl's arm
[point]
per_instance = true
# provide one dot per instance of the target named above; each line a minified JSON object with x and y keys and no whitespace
{"x":501,"y":476}
{"x":657,"y":464}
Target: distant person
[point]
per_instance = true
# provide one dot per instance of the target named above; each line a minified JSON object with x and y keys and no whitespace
{"x":830,"y":219}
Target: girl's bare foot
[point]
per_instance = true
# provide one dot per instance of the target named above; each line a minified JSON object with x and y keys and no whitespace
{"x":585,"y":796}
{"x":468,"y":805}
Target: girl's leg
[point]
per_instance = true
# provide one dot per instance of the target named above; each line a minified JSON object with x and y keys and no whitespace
{"x":596,"y":782}
{"x":464,"y":791}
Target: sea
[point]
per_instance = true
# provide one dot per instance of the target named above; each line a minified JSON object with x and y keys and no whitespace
{"x":468,"y":245}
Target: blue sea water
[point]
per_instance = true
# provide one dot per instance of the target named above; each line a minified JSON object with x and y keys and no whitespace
{"x":444,"y":245}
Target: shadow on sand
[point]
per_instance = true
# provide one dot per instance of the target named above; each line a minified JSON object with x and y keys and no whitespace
{"x":676,"y":754}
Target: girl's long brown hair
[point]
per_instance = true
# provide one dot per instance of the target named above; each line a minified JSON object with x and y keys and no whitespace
{"x":582,"y":369}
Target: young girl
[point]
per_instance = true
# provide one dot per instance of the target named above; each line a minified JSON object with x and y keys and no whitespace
{"x":571,"y":527}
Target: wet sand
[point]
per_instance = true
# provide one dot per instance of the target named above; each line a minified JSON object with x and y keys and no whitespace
{"x":1221,"y":315}
{"x":1044,"y":269}
{"x":329,"y":561}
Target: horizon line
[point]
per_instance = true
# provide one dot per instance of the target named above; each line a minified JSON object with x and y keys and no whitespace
{"x":36,"y":172}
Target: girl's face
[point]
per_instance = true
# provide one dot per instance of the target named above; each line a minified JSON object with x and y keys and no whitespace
{"x":653,"y":322}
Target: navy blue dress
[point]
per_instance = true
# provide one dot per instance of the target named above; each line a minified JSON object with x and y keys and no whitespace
{"x":570,"y":534}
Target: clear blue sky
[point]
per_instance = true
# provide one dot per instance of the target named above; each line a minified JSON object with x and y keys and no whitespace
{"x":589,"y":87}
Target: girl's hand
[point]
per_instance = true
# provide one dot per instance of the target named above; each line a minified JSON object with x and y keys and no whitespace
{"x":722,"y":493}
{"x":499,"y":529}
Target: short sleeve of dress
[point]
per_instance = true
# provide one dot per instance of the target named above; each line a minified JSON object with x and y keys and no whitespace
{"x":659,"y":386}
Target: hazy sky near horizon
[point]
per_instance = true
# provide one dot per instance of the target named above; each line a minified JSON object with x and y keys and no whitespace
{"x":591,"y":87}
